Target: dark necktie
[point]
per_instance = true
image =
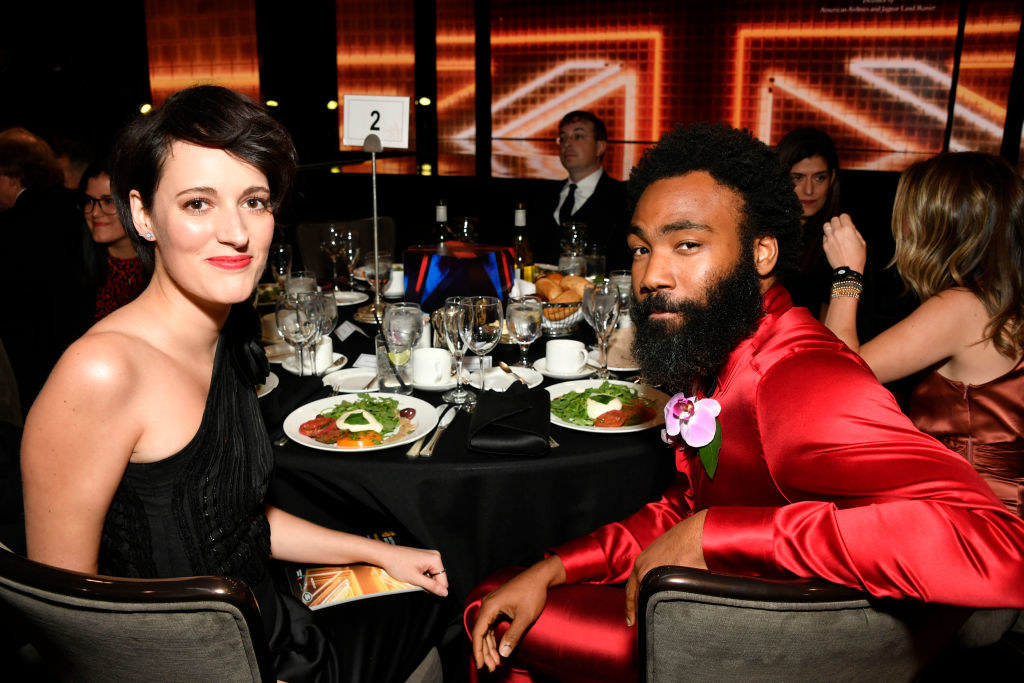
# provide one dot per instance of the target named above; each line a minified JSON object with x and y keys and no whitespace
{"x":565,"y":213}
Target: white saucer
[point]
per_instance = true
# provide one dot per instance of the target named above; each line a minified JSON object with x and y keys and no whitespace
{"x":351,"y":380}
{"x":499,"y":380}
{"x":435,"y":387}
{"x":271,"y":384}
{"x":541,"y":364}
{"x":292,"y":364}
{"x":350,"y":298}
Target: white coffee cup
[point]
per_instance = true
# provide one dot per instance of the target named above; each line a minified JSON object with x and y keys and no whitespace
{"x":565,"y":356}
{"x":431,"y":366}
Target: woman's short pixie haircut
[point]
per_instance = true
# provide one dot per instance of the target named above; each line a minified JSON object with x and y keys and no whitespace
{"x":207,"y":116}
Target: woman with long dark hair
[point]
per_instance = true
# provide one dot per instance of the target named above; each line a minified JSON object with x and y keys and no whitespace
{"x":114,"y":274}
{"x":811,"y":158}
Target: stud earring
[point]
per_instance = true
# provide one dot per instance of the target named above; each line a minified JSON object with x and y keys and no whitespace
{"x":147,"y":236}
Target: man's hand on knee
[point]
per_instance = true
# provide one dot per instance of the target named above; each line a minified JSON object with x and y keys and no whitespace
{"x":521,"y":600}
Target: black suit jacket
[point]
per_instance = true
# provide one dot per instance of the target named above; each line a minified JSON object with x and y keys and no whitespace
{"x":41,"y":271}
{"x":605,"y":215}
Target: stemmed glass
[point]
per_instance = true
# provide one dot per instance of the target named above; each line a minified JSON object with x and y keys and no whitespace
{"x":451,"y":319}
{"x":298,"y":321}
{"x":280,"y":260}
{"x":601,"y":310}
{"x":333,"y":245}
{"x":378,"y":274}
{"x":327,"y":318}
{"x":481,"y":325}
{"x":523,"y":315}
{"x":349,"y":256}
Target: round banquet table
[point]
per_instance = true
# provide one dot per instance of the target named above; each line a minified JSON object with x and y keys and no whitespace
{"x":482,"y":512}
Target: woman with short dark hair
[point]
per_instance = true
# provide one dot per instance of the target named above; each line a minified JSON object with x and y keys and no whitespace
{"x":146,"y":453}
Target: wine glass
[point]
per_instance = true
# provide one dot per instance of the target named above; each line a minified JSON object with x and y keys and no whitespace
{"x":451,"y":318}
{"x":297,"y":316}
{"x":523,"y":315}
{"x":601,"y":310}
{"x":481,"y":326}
{"x":280,"y":260}
{"x":378,"y":274}
{"x":333,"y":245}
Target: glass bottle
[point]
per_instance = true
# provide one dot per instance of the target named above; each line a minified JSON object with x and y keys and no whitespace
{"x":524,"y":255}
{"x":442,"y":230}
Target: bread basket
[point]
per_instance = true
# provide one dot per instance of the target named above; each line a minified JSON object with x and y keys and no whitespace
{"x":561,"y":319}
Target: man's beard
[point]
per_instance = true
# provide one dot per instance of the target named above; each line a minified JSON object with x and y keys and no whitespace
{"x":675,"y":354}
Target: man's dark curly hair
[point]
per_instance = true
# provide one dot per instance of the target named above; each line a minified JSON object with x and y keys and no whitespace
{"x":739,"y":161}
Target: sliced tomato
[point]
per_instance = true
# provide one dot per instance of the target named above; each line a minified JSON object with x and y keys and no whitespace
{"x":317,"y":424}
{"x":611,"y":419}
{"x":637,"y":413}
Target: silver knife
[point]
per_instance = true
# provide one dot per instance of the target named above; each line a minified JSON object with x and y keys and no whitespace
{"x":446,"y":420}
{"x":415,"y":449}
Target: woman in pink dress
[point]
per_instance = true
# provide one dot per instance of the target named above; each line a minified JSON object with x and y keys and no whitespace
{"x":958,"y":222}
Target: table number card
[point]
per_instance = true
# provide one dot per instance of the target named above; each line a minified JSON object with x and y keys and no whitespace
{"x":386,"y":117}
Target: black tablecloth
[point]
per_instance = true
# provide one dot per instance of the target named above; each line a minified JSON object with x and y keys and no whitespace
{"x":482,"y":512}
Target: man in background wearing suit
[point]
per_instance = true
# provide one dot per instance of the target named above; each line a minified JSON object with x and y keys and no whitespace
{"x":588,"y":195}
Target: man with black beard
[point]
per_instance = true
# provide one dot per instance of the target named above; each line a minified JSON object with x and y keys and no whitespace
{"x":819,"y":474}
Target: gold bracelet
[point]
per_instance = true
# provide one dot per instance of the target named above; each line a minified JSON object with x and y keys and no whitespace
{"x":846,"y":289}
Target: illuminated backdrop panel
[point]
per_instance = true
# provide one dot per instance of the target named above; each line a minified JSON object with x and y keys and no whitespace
{"x":192,"y":41}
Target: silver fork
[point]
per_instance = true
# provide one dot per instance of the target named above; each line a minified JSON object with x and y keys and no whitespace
{"x":414,"y":450}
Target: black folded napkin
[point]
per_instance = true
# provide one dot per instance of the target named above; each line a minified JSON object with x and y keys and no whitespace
{"x":512,"y":422}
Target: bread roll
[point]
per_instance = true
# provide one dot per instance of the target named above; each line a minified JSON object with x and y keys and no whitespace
{"x":548,"y":288}
{"x":575,"y":283}
{"x":567,"y":296}
{"x":557,"y":277}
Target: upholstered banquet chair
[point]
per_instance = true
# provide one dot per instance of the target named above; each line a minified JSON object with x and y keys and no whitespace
{"x":698,"y":625}
{"x":92,"y":628}
{"x":100,"y":628}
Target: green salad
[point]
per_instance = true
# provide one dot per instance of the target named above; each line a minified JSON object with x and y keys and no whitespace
{"x":384,"y":410}
{"x":571,"y":406}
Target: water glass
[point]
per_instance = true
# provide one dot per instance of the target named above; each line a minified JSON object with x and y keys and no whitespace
{"x":573,"y":238}
{"x":332,"y":244}
{"x":403,"y":323}
{"x":523,"y":315}
{"x":394,"y":366}
{"x":301,"y":281}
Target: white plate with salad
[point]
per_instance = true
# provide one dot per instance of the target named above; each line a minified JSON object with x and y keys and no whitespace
{"x":363,"y":422}
{"x":603,"y":406}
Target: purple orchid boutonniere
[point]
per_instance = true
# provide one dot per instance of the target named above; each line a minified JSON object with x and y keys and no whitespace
{"x":695,"y":420}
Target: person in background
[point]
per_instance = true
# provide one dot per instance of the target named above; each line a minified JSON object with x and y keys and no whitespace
{"x":146,"y":453}
{"x":41,"y":259}
{"x":588,"y":195}
{"x":811,"y":158}
{"x":818,"y":473}
{"x":113,"y":271}
{"x":73,"y":158}
{"x":958,"y":222}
